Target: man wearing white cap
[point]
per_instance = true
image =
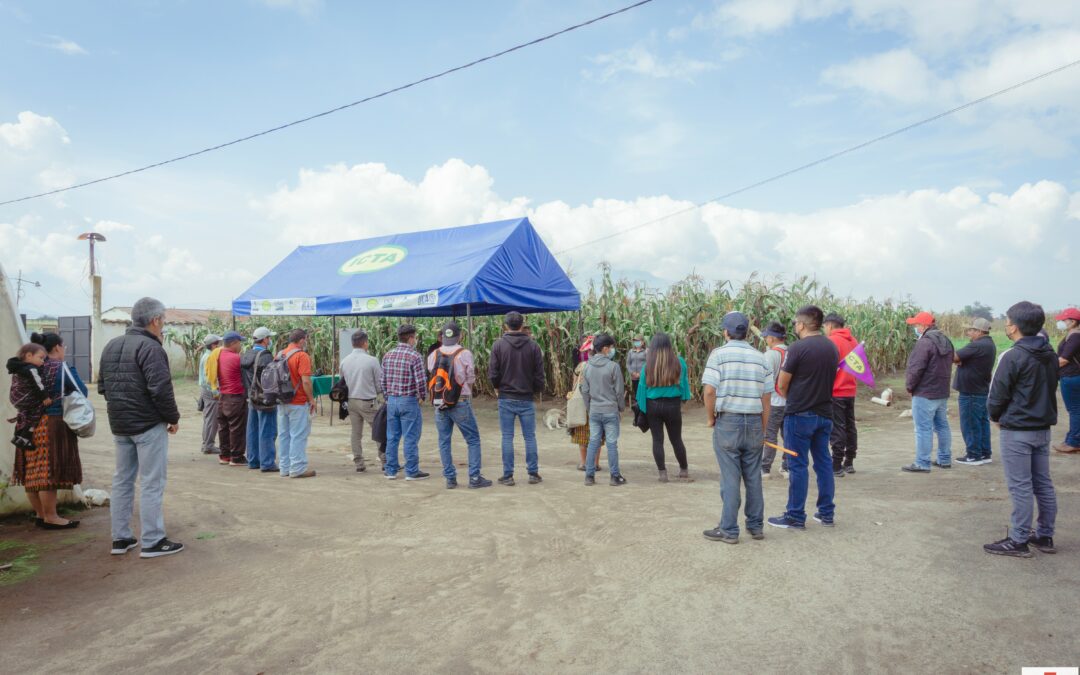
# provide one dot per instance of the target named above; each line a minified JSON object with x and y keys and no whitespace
{"x":262,"y":416}
{"x":208,"y":401}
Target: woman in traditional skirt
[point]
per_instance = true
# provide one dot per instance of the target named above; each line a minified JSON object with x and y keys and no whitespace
{"x":54,"y":462}
{"x":580,"y":435}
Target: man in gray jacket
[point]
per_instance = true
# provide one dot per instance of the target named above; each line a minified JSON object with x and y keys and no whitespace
{"x":135,"y":380}
{"x":929,"y":371}
{"x":604,"y":393}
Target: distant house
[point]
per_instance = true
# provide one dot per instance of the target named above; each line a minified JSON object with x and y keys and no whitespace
{"x":115,"y":321}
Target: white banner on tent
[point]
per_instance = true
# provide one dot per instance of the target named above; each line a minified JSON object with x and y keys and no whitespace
{"x":283,"y":307}
{"x":394,"y":302}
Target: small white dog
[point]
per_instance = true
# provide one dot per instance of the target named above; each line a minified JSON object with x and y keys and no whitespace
{"x":555,"y":419}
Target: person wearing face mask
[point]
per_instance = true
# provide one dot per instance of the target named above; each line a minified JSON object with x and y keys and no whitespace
{"x":1068,"y":353}
{"x":405,"y":386}
{"x":635,"y":361}
{"x":974,"y":366}
{"x":604,"y":392}
{"x":1023,"y":403}
{"x":929,"y":369}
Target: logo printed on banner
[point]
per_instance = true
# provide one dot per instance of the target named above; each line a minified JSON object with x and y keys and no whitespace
{"x":385,"y":303}
{"x":283,"y":307}
{"x":373,"y":260}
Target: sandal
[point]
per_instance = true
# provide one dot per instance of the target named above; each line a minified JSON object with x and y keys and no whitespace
{"x":71,"y":524}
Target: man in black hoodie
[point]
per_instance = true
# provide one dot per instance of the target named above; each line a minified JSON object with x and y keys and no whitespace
{"x":929,"y":368}
{"x":517,"y":372}
{"x":1023,"y":402}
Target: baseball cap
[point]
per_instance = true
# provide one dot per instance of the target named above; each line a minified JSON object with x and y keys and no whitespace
{"x":451,"y":329}
{"x":211,"y":339}
{"x":924,"y":318}
{"x":233,"y":336}
{"x":262,"y":332}
{"x":979,"y":324}
{"x":1070,"y":313}
{"x":736,"y":323}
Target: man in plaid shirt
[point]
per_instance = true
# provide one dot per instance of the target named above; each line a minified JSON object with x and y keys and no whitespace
{"x":404,"y":385}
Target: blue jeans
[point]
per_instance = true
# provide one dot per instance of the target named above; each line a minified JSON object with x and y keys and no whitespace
{"x":261,"y":432}
{"x":1025,"y":456}
{"x":737,"y":441}
{"x":146,"y":456}
{"x":975,"y":425}
{"x":1070,"y":392}
{"x":603,"y":426}
{"x":509,"y":410}
{"x":930,"y":416}
{"x":404,"y":421}
{"x":461,"y":415}
{"x":807,"y":435}
{"x":294,"y":425}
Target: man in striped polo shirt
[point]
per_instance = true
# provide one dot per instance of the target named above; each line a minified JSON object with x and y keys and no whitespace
{"x":737,"y":405}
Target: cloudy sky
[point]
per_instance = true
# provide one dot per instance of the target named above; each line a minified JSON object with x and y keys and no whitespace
{"x":591,"y":134}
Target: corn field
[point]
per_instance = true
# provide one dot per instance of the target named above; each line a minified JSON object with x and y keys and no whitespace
{"x":690,"y":311}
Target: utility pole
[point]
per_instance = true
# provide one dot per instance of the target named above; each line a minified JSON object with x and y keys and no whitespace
{"x":95,"y":315}
{"x":19,"y":281}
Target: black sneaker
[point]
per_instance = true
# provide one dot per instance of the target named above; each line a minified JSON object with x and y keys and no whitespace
{"x":535,"y":478}
{"x":757,"y":534}
{"x":617,"y":479}
{"x":914,"y":468}
{"x":122,"y":546}
{"x":451,"y":483}
{"x":508,"y":479}
{"x":838,"y":472}
{"x":590,"y":480}
{"x":1042,"y":544}
{"x":163,"y":547}
{"x":419,"y":475}
{"x":942,"y":466}
{"x":786,"y":523}
{"x":716,"y":534}
{"x":479,"y":482}
{"x":1008,"y":547}
{"x":969,"y":460}
{"x":825,"y":522}
{"x":849,"y":468}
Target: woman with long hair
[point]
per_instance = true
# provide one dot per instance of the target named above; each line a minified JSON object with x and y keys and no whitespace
{"x":664,"y":386}
{"x":53,"y":463}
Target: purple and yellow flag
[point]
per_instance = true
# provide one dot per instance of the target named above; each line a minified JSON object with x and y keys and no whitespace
{"x":858,"y":365}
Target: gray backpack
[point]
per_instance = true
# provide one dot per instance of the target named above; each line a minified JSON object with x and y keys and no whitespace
{"x":276,"y":381}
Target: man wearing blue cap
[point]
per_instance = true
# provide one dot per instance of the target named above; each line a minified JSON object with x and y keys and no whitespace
{"x":233,"y":409}
{"x":737,"y":405}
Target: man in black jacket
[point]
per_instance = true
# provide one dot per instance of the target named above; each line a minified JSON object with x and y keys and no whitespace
{"x":1023,"y":402}
{"x":974,"y":366}
{"x":516,"y":370}
{"x":135,"y":379}
{"x":927,"y":380}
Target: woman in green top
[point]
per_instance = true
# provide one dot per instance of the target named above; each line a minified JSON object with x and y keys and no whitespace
{"x":664,"y":385}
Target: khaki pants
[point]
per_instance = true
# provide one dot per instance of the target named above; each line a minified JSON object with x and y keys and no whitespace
{"x":359,"y":411}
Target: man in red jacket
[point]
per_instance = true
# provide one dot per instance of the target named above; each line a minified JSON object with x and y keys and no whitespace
{"x":845,"y":437}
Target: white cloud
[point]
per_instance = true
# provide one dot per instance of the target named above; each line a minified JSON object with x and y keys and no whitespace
{"x":60,"y":44}
{"x":898,"y":74}
{"x":935,"y":245}
{"x":31,"y":131}
{"x":639,"y":60}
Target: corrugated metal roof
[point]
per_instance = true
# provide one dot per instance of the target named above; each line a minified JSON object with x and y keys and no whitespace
{"x":173,"y":316}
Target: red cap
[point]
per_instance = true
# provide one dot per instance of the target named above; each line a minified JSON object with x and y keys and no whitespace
{"x":924,"y":318}
{"x":1070,"y":313}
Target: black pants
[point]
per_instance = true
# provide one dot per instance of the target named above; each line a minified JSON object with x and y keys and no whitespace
{"x":232,"y":427}
{"x":845,"y":437}
{"x":666,"y":412}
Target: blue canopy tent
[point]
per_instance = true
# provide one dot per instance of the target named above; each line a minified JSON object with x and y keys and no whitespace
{"x":484,"y":269}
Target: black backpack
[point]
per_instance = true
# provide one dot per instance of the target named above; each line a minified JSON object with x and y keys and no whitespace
{"x":444,"y":388}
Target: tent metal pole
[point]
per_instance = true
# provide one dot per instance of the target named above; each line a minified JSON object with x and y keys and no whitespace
{"x":468,"y":320}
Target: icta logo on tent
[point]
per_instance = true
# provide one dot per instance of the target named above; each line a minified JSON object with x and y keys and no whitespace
{"x":375,"y":259}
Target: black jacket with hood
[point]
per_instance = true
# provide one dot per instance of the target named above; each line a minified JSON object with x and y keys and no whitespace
{"x":1023,"y":393}
{"x":930,"y":365}
{"x":250,"y":361}
{"x":517,"y":367}
{"x":135,"y":379}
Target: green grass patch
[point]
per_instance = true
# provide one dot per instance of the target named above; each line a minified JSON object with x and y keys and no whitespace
{"x":206,"y":535}
{"x":80,"y":538}
{"x":23,"y":560}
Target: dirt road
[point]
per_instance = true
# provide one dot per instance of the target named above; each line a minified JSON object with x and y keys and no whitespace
{"x":349,"y":572}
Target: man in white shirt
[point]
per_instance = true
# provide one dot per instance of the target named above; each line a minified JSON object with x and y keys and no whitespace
{"x":362,"y":373}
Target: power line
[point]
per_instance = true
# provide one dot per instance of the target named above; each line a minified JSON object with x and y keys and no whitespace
{"x":381,"y":94}
{"x":824,"y":159}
